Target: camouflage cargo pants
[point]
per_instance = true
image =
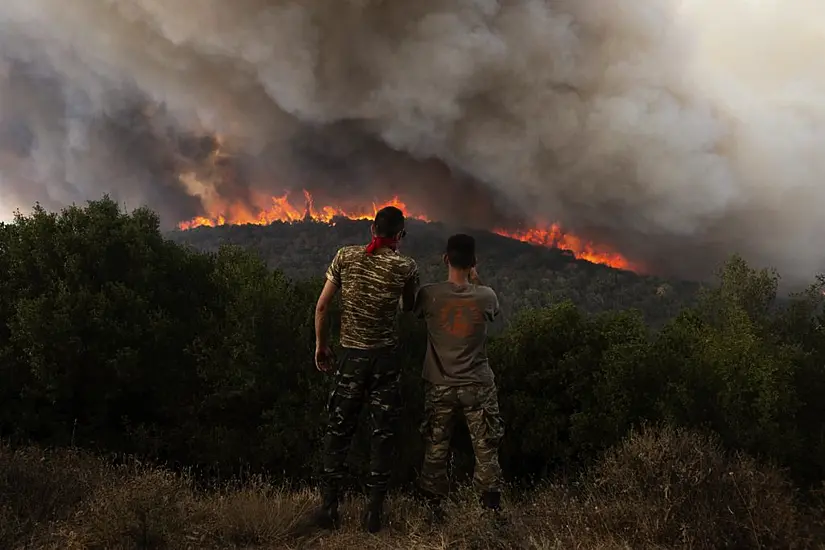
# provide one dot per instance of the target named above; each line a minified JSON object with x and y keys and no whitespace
{"x":442,"y":406}
{"x":370,"y":377}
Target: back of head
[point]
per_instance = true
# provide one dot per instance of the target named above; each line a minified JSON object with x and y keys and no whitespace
{"x":461,"y":251}
{"x":389,"y":222}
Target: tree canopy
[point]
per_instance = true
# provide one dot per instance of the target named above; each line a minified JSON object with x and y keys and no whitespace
{"x":115,"y":338}
{"x":524,"y":275}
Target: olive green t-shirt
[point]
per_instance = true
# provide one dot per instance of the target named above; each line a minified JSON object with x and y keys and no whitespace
{"x":371,"y":289}
{"x":457,"y":317}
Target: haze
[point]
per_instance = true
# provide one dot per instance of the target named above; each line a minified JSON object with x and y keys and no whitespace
{"x":676,"y":132}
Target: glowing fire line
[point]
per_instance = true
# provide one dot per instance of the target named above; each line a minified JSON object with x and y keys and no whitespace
{"x":282,"y":210}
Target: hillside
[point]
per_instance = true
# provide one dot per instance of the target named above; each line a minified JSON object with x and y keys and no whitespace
{"x":118,"y":342}
{"x":525,"y":275}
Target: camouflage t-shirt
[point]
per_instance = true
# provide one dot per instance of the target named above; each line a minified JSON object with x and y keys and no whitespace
{"x":371,"y":289}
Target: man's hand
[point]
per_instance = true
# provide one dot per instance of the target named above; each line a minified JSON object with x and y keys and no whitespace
{"x":474,"y":276}
{"x":324,"y":358}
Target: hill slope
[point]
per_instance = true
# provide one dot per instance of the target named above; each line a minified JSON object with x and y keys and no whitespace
{"x":524,"y":275}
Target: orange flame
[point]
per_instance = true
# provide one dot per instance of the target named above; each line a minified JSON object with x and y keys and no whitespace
{"x":282,"y":210}
{"x":554,"y":237}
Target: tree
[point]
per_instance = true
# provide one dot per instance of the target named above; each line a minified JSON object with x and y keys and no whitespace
{"x":116,"y":338}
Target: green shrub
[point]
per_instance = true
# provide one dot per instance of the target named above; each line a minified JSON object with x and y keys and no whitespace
{"x":114,"y":338}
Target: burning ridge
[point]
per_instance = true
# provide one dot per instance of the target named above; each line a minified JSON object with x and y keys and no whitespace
{"x":674,"y":132}
{"x":282,"y":209}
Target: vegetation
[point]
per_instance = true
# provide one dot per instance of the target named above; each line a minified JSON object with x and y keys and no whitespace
{"x":118,"y":341}
{"x":658,"y":489}
{"x":524,"y":275}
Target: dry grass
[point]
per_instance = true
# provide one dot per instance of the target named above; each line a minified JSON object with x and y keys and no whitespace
{"x":663,"y":489}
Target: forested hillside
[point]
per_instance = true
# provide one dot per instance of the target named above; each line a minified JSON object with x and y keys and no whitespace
{"x":524,"y":275}
{"x":116,"y":340}
{"x":114,"y":337}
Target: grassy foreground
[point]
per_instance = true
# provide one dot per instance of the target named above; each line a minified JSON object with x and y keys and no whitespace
{"x":659,"y":489}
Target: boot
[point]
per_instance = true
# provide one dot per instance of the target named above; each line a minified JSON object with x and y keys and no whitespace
{"x":375,"y":509}
{"x":434,"y":504}
{"x":491,"y":500}
{"x":436,"y":508}
{"x":327,"y":516}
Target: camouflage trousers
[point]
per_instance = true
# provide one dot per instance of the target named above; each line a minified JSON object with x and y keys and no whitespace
{"x":370,"y":377}
{"x":479,"y":406}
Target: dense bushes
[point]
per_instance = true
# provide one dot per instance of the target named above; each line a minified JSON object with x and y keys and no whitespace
{"x":114,"y":338}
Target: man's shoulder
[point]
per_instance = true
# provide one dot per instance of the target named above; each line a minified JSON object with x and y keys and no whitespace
{"x":428,"y":287}
{"x":435,"y":287}
{"x":349,"y":254}
{"x":484,"y":289}
{"x":405,"y":261}
{"x":390,"y":261}
{"x":486,"y":293}
{"x":350,"y":250}
{"x":400,"y":263}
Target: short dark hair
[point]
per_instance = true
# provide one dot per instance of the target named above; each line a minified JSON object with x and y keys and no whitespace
{"x":461,"y":251}
{"x":389,"y":222}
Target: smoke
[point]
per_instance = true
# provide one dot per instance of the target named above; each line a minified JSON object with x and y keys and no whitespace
{"x":676,"y":131}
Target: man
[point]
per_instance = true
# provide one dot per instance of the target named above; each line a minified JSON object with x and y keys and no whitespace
{"x":372,"y":280}
{"x":457,"y":374}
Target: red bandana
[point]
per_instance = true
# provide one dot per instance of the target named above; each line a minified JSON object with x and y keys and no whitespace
{"x":381,"y":242}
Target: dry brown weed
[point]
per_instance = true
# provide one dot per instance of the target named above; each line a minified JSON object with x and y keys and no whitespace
{"x":659,"y":489}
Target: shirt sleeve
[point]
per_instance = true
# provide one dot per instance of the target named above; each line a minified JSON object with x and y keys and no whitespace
{"x":333,"y":273}
{"x":493,"y":309}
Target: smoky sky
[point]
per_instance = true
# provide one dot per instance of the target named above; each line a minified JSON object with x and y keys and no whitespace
{"x":677,"y":132}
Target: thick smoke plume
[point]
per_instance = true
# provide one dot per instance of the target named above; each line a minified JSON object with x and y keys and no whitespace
{"x":675,"y":131}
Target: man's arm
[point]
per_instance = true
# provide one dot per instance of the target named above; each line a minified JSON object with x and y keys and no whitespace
{"x":323,"y":355}
{"x":410,"y":290}
{"x":331,"y":286}
{"x":493,"y":309}
{"x":420,"y":306}
{"x":322,"y":312}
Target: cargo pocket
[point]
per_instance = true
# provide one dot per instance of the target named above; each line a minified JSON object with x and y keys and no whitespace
{"x":336,"y":380}
{"x":439,"y":429}
{"x":494,"y":424}
{"x":435,"y":428}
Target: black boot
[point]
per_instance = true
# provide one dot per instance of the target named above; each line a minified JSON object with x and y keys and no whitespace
{"x":327,"y":516}
{"x":434,"y":504}
{"x":436,"y":508}
{"x":491,"y":500}
{"x":375,"y":509}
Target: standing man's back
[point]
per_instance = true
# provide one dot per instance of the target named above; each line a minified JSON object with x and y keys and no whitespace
{"x":371,"y":285}
{"x":457,"y":374}
{"x":372,"y":279}
{"x":457,"y":317}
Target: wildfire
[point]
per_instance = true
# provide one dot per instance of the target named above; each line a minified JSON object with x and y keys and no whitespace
{"x":284,"y":211}
{"x":554,"y":237}
{"x":281,"y":209}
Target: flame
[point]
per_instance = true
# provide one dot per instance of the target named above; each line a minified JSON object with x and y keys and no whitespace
{"x":281,"y":209}
{"x":554,"y":237}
